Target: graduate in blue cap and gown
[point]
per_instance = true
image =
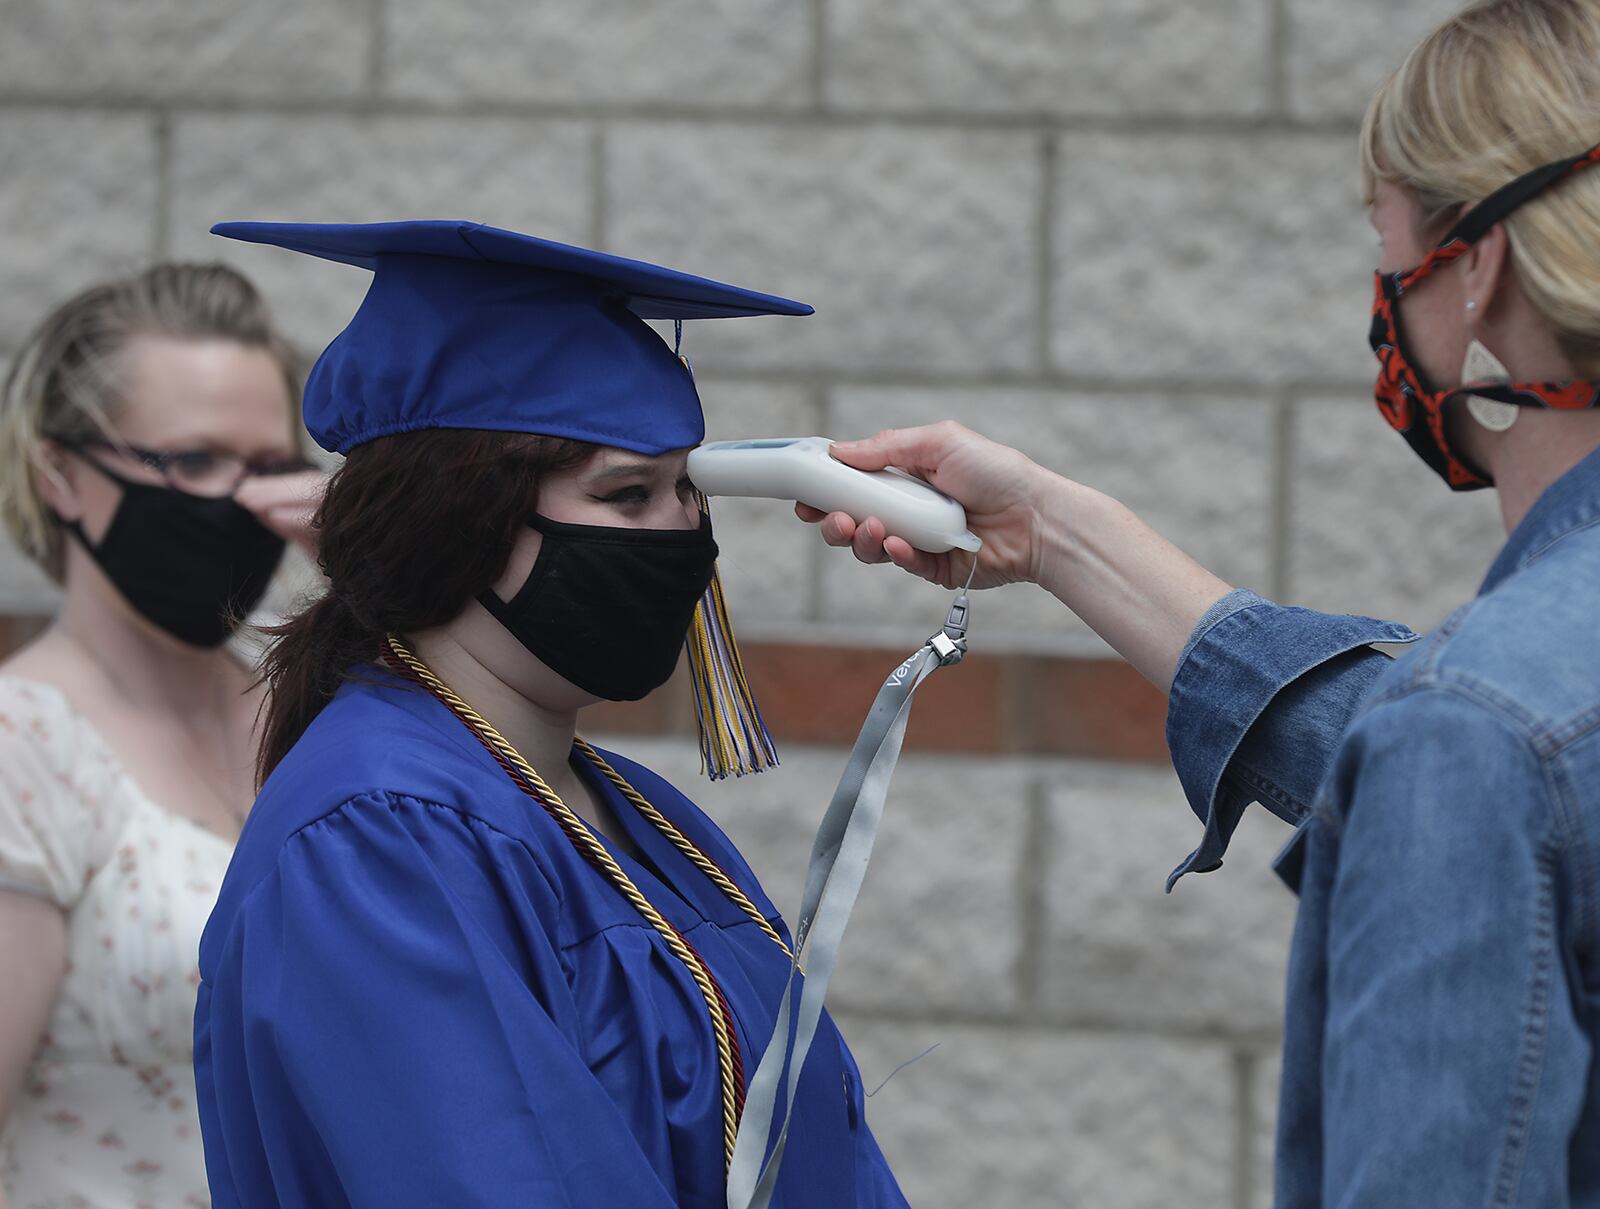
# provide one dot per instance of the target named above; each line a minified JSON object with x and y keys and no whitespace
{"x":461,"y":958}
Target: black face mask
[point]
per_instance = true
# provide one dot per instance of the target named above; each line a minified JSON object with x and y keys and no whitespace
{"x":190,"y":565}
{"x":608,"y":608}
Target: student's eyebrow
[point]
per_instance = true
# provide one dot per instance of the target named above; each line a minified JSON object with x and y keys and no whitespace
{"x":626,"y":470}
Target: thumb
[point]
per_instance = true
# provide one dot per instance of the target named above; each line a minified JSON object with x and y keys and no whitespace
{"x":922,"y":450}
{"x":865,"y":454}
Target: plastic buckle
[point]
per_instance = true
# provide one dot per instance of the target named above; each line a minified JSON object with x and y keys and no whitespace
{"x":950,"y":650}
{"x":955,"y":621}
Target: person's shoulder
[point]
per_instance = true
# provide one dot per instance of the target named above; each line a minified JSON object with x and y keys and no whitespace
{"x":31,"y":710}
{"x":1528,"y":647}
{"x":1438,"y":762}
{"x":48,"y":750}
{"x":382,"y":736}
{"x":373,"y":851}
{"x":63,"y":797}
{"x":355,"y":832}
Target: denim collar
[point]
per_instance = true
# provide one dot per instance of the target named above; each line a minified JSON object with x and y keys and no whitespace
{"x":1572,"y":502}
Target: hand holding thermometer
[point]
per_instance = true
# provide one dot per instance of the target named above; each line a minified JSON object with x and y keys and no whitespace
{"x":802,"y":469}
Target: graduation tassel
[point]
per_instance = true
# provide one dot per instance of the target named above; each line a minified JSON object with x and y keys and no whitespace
{"x":733,"y":737}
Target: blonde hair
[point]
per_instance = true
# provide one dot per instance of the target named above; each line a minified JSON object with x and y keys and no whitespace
{"x":64,"y":383}
{"x":1504,"y":87}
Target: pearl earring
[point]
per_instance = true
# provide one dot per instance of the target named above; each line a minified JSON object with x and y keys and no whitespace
{"x":1472,"y":304}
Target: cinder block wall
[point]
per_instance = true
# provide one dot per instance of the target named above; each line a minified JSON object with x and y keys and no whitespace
{"x":1122,"y":234}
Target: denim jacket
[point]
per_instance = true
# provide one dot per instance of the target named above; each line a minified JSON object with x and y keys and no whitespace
{"x":1444,"y":986}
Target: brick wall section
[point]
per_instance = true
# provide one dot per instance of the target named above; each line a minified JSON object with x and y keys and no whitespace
{"x":1006,"y":704}
{"x":1122,"y":234}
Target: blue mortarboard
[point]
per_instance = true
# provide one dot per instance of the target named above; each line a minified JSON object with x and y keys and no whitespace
{"x":468,"y":326}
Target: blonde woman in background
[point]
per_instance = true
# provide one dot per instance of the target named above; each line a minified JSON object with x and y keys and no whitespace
{"x":1443,"y":1014}
{"x":150,"y":463}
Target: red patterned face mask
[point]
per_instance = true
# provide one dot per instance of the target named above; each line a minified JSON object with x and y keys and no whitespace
{"x":1412,"y":407}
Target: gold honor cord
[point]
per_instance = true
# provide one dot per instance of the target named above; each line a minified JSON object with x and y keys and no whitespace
{"x":683,"y":844}
{"x":527,"y":778}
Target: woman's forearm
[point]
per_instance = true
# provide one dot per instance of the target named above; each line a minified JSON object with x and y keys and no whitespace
{"x":1134,"y":588}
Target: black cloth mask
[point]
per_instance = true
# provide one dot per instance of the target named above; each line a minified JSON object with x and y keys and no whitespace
{"x":609,"y":608}
{"x":190,"y":565}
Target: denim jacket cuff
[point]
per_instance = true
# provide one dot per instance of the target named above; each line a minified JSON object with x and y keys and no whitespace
{"x":1243,"y":652}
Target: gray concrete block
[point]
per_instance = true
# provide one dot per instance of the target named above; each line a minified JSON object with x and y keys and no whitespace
{"x":937,"y":925}
{"x":1374,"y":530}
{"x":528,"y":176}
{"x":1210,"y":258}
{"x":1264,"y":1127}
{"x":768,"y":559}
{"x":1038,"y":1120}
{"x":176,"y":48}
{"x":1338,"y":54}
{"x":919,"y":248}
{"x":601,"y":52}
{"x":1057,"y":57}
{"x":1211,"y":956}
{"x":1197,"y":469}
{"x":25,"y":591}
{"x":77,"y":205}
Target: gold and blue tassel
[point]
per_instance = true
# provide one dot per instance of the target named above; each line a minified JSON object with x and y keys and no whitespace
{"x":733,"y":737}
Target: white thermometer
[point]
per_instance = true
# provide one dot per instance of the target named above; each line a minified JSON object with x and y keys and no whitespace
{"x":802,"y":469}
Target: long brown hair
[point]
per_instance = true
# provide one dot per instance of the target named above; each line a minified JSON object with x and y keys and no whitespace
{"x":412,"y":527}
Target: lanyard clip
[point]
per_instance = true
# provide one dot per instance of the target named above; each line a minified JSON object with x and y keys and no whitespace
{"x":950,"y":643}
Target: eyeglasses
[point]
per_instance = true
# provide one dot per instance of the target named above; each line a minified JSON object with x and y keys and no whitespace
{"x":204,"y":472}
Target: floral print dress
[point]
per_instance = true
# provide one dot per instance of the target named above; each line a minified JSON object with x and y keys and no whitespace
{"x":106,"y":1118}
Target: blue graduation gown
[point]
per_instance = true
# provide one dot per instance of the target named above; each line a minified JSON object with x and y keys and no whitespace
{"x":415,"y":992}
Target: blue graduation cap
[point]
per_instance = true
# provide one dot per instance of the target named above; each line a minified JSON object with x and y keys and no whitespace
{"x":471,"y":326}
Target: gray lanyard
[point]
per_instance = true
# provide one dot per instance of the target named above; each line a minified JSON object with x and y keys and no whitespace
{"x":839,"y":858}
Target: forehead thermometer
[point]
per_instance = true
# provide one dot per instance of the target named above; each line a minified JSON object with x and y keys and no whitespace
{"x":802,"y":469}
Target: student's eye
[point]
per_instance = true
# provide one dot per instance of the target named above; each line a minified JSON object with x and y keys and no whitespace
{"x":626,"y":495}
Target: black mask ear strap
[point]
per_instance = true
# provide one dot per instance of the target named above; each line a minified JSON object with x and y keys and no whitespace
{"x":75,"y":528}
{"x":497,"y":608}
{"x":1475,"y":224}
{"x":76,"y":531}
{"x":504,"y":611}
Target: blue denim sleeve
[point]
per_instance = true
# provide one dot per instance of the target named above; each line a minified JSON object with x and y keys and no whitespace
{"x":1454,"y":1067}
{"x":1261,"y":695}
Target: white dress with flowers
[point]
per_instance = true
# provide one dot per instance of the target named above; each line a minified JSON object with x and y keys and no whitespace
{"x":106,"y":1119}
